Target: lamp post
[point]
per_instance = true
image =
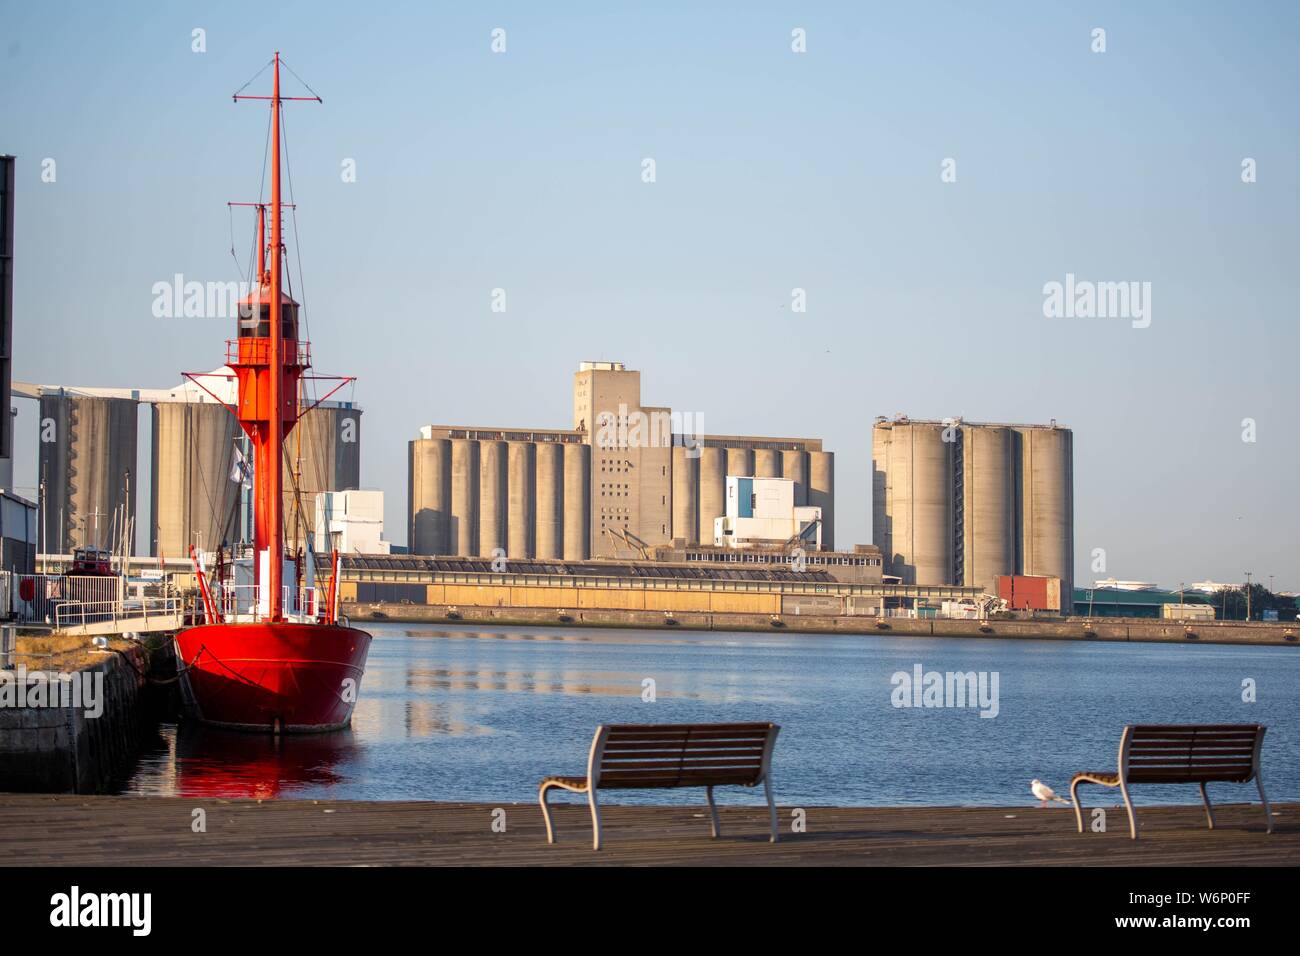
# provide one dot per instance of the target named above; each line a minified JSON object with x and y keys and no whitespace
{"x":1247,"y":595}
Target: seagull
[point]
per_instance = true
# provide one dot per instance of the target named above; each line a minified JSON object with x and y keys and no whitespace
{"x":1044,"y":793}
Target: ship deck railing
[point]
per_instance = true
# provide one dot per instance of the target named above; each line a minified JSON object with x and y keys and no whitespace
{"x":244,"y":602}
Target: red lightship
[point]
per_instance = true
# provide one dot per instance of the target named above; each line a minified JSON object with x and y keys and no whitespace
{"x":270,"y":657}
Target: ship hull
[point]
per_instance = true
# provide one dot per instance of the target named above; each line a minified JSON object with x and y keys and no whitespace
{"x":272,"y":677}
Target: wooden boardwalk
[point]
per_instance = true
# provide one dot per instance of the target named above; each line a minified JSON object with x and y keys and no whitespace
{"x":157,"y":831}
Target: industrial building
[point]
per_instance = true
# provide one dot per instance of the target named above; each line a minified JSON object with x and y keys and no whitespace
{"x":862,"y":565}
{"x":961,"y":503}
{"x":625,"y":472}
{"x":350,"y":522}
{"x":88,"y":450}
{"x":761,"y":513}
{"x":561,"y":587}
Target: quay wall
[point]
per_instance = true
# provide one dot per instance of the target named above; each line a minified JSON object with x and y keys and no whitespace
{"x":62,"y":749}
{"x":577,"y":614}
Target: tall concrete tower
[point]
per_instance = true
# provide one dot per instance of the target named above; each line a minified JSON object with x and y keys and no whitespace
{"x":631,"y":456}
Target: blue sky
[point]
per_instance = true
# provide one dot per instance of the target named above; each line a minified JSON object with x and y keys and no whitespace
{"x":775,"y":170}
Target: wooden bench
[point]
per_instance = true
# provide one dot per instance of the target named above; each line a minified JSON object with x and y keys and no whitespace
{"x":661,"y":756}
{"x":1181,"y":753}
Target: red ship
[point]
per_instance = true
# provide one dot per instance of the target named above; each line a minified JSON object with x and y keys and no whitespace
{"x":270,"y":656}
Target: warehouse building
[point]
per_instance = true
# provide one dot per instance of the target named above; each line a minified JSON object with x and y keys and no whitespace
{"x":1149,"y":602}
{"x":961,"y":503}
{"x":626,"y":474}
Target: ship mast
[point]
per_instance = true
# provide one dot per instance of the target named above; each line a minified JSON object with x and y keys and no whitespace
{"x":269,"y":366}
{"x":275,"y":485}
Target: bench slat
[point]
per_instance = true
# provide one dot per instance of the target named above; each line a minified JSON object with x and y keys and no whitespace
{"x":750,"y":740}
{"x":647,"y":781}
{"x":720,"y":762}
{"x":1211,"y":747}
{"x":1191,"y":761}
{"x":1240,"y":775}
{"x":686,"y":728}
{"x":1194,"y":728}
{"x":1183,"y":738}
{"x":692,"y":755}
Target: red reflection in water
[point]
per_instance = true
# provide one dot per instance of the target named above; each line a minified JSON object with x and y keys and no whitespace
{"x":222,"y":763}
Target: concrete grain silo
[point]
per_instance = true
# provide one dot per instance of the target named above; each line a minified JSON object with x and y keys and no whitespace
{"x":1046,"y":491}
{"x":87,"y":461}
{"x":920,"y":502}
{"x":988,"y":509}
{"x":493,"y":498}
{"x":577,"y":502}
{"x":713,"y":489}
{"x":322,"y":453}
{"x":463,"y":532}
{"x":686,"y":503}
{"x":881,"y":478}
{"x":521,"y":464}
{"x":740,"y":461}
{"x":794,"y":465}
{"x":430,"y":496}
{"x":767,"y":463}
{"x":549,"y":506}
{"x":821,"y":492}
{"x":192,"y":499}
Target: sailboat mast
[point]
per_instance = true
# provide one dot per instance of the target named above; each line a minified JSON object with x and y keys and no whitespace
{"x":274,"y":534}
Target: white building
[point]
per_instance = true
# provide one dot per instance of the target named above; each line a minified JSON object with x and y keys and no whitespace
{"x":1212,"y":587}
{"x":350,"y":521}
{"x":761,"y":513}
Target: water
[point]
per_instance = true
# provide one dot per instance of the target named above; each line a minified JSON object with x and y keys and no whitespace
{"x":482,"y":714}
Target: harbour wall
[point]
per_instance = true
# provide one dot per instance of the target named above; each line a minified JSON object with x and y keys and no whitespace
{"x":1109,"y":630}
{"x":63,"y":749}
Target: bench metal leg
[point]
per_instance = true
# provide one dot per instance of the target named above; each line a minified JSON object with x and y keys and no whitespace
{"x":595,"y":819}
{"x":1209,"y":810}
{"x":1128,"y":805}
{"x":1074,"y":796}
{"x":713,"y":812}
{"x":546,"y":812}
{"x":771,"y":805}
{"x":1268,"y":814}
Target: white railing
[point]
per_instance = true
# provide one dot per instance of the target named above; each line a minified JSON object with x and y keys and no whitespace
{"x":245,"y":600}
{"x":80,"y":613}
{"x":48,"y":591}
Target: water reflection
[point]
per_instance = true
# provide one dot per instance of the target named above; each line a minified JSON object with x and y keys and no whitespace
{"x":474,"y":714}
{"x":190,"y":760}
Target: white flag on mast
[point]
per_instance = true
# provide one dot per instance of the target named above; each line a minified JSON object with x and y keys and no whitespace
{"x":241,"y":470}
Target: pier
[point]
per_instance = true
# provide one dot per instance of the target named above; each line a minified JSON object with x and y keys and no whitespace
{"x":1101,"y":630}
{"x":160,"y":831}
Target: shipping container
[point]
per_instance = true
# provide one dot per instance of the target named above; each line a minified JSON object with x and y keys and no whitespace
{"x":1030,"y":592}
